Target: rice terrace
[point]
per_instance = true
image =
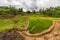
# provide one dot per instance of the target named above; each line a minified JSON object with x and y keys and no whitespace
{"x":15,"y":24}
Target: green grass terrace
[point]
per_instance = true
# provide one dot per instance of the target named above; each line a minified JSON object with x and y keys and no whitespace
{"x":37,"y":25}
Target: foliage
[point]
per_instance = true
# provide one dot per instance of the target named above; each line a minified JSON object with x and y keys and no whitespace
{"x":52,"y":11}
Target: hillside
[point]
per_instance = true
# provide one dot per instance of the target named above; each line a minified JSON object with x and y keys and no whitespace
{"x":15,"y":24}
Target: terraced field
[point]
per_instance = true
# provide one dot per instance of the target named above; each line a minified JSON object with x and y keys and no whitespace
{"x":37,"y":25}
{"x":16,"y":22}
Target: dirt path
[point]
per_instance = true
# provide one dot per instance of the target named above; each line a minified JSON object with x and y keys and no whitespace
{"x":53,"y":35}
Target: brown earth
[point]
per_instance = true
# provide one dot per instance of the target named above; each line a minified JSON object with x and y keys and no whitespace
{"x":19,"y":35}
{"x":11,"y":35}
{"x":7,"y":16}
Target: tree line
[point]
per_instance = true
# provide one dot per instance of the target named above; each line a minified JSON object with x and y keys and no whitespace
{"x":52,"y":11}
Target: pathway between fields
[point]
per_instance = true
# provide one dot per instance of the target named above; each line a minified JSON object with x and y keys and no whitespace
{"x":53,"y":35}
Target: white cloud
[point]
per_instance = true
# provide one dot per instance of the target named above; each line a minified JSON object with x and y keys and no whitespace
{"x":30,"y":4}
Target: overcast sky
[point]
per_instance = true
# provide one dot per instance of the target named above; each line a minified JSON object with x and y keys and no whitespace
{"x":30,"y":4}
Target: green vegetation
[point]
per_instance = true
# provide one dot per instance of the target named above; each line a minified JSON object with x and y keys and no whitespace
{"x":11,"y":17}
{"x":5,"y":24}
{"x":37,"y":25}
{"x":16,"y":22}
{"x":51,"y":12}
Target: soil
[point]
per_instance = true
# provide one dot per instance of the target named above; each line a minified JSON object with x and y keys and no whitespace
{"x":11,"y":35}
{"x":7,"y":16}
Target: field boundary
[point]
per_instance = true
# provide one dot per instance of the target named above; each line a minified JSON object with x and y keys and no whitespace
{"x":42,"y":33}
{"x":25,"y":27}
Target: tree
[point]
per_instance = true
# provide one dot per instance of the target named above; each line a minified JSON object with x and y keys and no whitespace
{"x":13,"y":10}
